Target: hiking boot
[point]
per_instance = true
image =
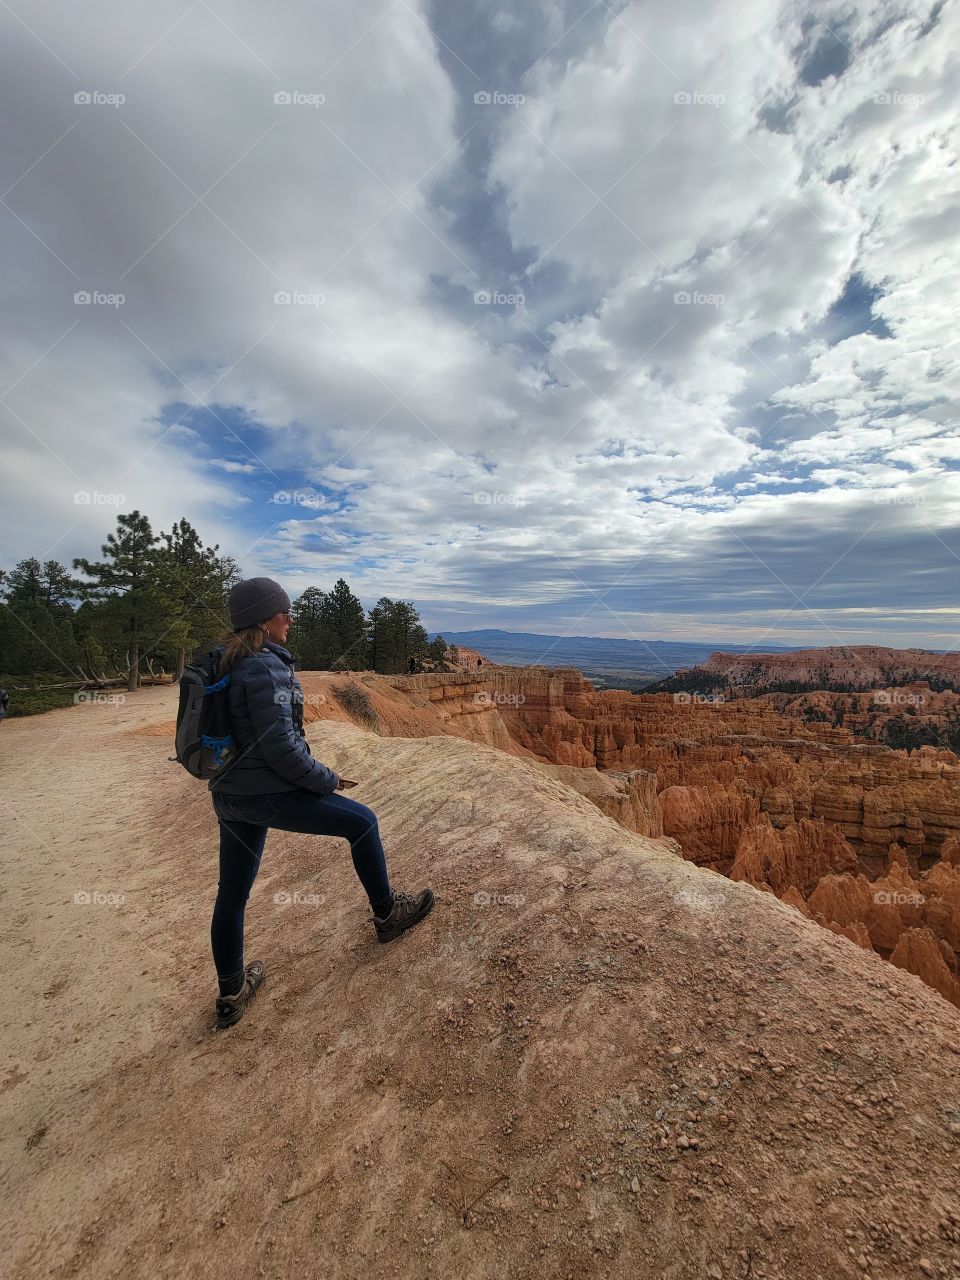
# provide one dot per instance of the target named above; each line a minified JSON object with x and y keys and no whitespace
{"x":405,"y":912}
{"x":230,"y":1008}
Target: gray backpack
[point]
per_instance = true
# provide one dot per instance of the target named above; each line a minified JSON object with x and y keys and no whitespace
{"x":204,"y":743}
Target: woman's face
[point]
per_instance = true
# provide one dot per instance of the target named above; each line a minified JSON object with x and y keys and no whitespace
{"x":276,"y":628}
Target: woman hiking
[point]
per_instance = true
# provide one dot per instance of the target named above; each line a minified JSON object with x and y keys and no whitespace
{"x":275,"y":782}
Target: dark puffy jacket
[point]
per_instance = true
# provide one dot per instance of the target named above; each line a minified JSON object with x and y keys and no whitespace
{"x":265,"y":704}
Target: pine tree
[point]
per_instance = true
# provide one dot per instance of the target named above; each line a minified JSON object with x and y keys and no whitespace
{"x":329,"y":630}
{"x":34,"y":642}
{"x":394,"y":636}
{"x":306,"y":639}
{"x":126,"y":584}
{"x":24,"y":582}
{"x":59,"y":588}
{"x":345,"y":625}
{"x":194,"y":582}
{"x":437,"y":653}
{"x":35,"y":632}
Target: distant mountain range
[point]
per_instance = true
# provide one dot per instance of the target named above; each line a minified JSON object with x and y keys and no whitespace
{"x":624,"y":664}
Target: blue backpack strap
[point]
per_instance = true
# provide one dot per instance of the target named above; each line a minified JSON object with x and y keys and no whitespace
{"x":218,"y":746}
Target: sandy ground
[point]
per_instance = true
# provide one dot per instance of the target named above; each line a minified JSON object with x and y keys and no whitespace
{"x":612,"y":1064}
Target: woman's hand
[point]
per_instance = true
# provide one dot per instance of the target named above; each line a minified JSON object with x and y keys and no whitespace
{"x":344,"y":783}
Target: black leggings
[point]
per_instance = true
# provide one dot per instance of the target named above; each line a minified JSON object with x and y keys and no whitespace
{"x":244,"y":821}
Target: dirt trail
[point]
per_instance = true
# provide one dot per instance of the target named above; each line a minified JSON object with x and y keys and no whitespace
{"x":593,"y":1059}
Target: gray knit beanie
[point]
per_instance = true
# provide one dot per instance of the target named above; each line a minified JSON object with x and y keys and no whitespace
{"x":254,"y":600}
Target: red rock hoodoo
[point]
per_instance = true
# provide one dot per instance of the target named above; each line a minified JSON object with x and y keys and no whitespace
{"x":863,"y":838}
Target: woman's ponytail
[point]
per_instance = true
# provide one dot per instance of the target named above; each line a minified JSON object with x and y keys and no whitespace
{"x":240,"y":644}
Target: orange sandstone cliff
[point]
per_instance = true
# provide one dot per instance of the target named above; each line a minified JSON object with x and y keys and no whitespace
{"x":861,"y":838}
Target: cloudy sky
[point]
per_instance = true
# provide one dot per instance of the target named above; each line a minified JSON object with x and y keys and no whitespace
{"x":625,"y":319}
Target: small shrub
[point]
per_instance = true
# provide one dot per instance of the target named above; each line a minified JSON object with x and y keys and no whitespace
{"x":356,"y":702}
{"x":31,"y":702}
